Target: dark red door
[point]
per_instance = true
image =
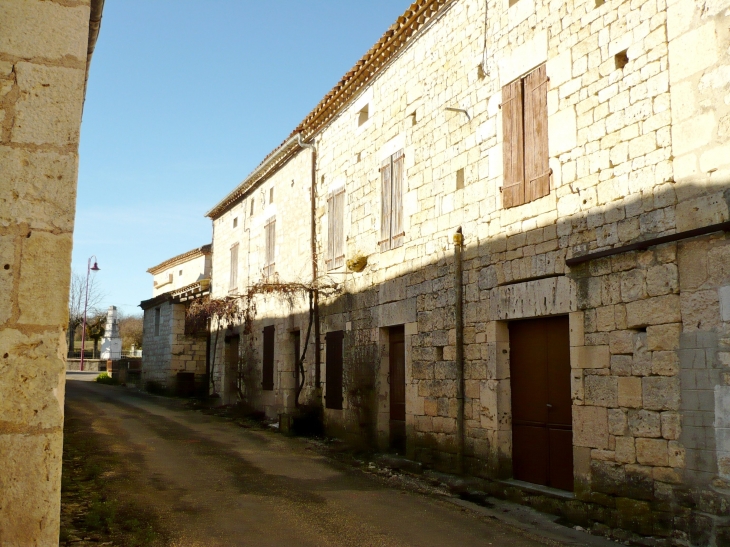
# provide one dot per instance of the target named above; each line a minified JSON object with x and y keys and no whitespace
{"x":397,"y":380}
{"x":333,"y":372}
{"x":542,"y":434}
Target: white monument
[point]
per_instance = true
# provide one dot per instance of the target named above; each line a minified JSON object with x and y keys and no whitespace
{"x":111,"y":344}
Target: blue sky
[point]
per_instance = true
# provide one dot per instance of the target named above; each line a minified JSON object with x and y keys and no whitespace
{"x":185,"y":98}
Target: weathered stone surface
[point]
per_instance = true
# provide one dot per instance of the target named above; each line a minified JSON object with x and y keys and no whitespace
{"x":617,"y":422}
{"x":590,"y":357}
{"x":644,"y":423}
{"x":660,"y":393}
{"x":652,"y":452}
{"x":625,"y":450}
{"x":653,"y":311}
{"x":663,"y":337}
{"x":590,"y":426}
{"x":601,"y":391}
{"x":671,"y":425}
{"x":629,"y":392}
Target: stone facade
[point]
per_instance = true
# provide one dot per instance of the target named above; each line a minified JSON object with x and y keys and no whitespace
{"x":44,"y":53}
{"x":168,"y":348}
{"x":638,"y":150}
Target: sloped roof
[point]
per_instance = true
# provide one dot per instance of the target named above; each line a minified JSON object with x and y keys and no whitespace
{"x":179,"y":259}
{"x":400,"y":34}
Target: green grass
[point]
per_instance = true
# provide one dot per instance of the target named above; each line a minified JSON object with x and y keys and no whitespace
{"x":104,"y":378}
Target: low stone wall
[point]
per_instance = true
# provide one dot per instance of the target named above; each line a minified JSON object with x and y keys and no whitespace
{"x":89,"y":364}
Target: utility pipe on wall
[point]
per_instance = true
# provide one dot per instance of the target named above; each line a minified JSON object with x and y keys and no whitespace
{"x":315,"y":269}
{"x":459,"y":316}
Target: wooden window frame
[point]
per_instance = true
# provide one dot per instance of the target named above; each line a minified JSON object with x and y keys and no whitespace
{"x":392,"y":230}
{"x":270,"y":247}
{"x":525,"y":139}
{"x":336,"y":229}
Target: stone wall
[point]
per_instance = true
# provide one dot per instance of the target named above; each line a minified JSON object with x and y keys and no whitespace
{"x":171,"y":351}
{"x":638,"y":150}
{"x":43,"y":61}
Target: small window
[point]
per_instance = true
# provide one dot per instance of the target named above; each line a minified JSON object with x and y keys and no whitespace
{"x":414,"y":118}
{"x":512,"y":2}
{"x":270,"y":251}
{"x":271,"y":195}
{"x":525,"y":146}
{"x":157,"y":321}
{"x":235,"y":222}
{"x":252,"y":204}
{"x":363,"y":115}
{"x":391,"y":203}
{"x":179,"y":273}
{"x":460,"y":179}
{"x":169,"y":278}
{"x":336,"y":229}
{"x":233,"y":279}
{"x":599,"y":3}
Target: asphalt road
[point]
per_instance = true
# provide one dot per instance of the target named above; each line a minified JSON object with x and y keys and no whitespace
{"x":217,"y":484}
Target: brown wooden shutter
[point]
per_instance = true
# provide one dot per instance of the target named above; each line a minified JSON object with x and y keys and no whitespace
{"x":385,"y":209}
{"x":331,"y":223}
{"x":339,"y":234}
{"x":267,"y":382}
{"x":396,"y":219}
{"x":513,"y":187}
{"x":537,"y":168}
{"x":333,"y":372}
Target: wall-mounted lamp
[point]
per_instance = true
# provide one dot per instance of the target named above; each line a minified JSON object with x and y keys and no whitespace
{"x":462,"y":110}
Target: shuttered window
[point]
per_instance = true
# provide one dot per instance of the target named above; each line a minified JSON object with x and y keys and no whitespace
{"x":391,"y":211}
{"x":336,"y":232}
{"x":333,"y":373}
{"x":233,"y":280}
{"x":267,"y":381}
{"x":525,"y":145}
{"x":270,"y":236}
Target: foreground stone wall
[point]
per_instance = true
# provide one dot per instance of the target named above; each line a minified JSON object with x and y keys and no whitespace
{"x":43,"y":59}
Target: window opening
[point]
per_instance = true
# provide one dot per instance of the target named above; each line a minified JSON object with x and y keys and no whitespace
{"x":235,"y":222}
{"x":233,"y":280}
{"x":270,"y":235}
{"x":363,"y":115}
{"x":460,"y":179}
{"x":391,"y":218}
{"x":336,"y":229}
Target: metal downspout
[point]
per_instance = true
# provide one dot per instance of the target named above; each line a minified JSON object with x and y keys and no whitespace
{"x":315,"y":270}
{"x":459,"y":316}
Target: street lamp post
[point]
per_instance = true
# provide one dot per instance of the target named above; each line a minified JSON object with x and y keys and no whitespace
{"x":89,"y":269}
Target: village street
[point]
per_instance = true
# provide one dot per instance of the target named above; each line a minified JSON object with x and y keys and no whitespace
{"x":214,"y":483}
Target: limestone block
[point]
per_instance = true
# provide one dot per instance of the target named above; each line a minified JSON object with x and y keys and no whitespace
{"x":652,"y":452}
{"x":625,"y":450}
{"x":49,"y":108}
{"x":590,"y":426}
{"x":601,"y":391}
{"x":617,"y":422}
{"x":621,"y":341}
{"x":39,"y":188}
{"x":629,"y":392}
{"x":692,"y":259}
{"x":33,"y":28}
{"x":621,"y":365}
{"x":677,"y":454}
{"x":590,"y":357}
{"x":559,"y":69}
{"x":663,"y":337}
{"x":577,"y":389}
{"x":664,"y":363}
{"x":7,"y":276}
{"x":662,"y":279}
{"x":653,"y":311}
{"x":43,"y":299}
{"x":700,"y":310}
{"x":660,"y":393}
{"x":701,"y":211}
{"x":562,"y":131}
{"x":671,"y":425}
{"x":644,"y":423}
{"x":633,"y":285}
{"x":577,"y":327}
{"x":30,"y":484}
{"x":683,"y":58}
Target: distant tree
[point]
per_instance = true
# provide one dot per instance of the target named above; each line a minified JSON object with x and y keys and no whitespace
{"x":76,"y":300}
{"x":95,"y":330}
{"x":130,"y":329}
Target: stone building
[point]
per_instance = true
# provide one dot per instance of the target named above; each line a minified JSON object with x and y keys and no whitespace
{"x":524,"y":207}
{"x":45,"y":52}
{"x":173,"y":355}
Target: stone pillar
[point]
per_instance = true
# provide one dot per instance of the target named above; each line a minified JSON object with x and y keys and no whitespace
{"x":111,"y":344}
{"x":43,"y":61}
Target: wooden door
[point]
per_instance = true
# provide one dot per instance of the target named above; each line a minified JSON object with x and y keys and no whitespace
{"x":232,"y":349}
{"x":397,"y":380}
{"x":542,"y":435}
{"x":333,"y":372}
{"x":267,"y":373}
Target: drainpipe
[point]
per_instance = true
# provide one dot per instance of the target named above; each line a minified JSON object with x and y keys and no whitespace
{"x":459,"y":314}
{"x":315,"y":272}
